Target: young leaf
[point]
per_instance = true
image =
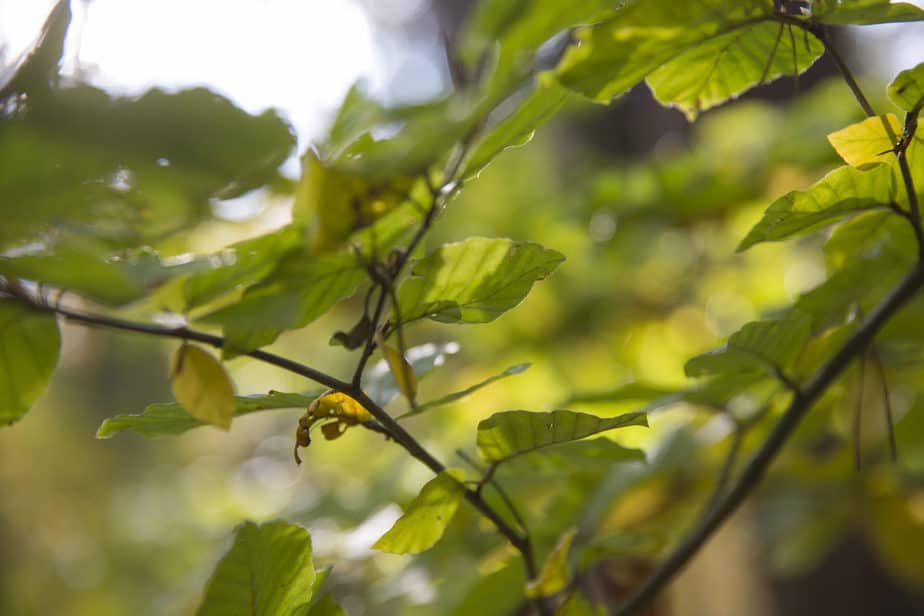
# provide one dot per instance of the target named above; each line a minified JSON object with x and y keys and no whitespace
{"x":907,"y":89}
{"x":843,"y":192}
{"x":199,"y":383}
{"x":869,"y":141}
{"x":553,"y":577}
{"x":511,"y":433}
{"x":172,"y":418}
{"x":474,"y":281}
{"x":458,"y":395}
{"x":760,"y":346}
{"x":29,"y":346}
{"x":426,"y":518}
{"x":267,"y":571}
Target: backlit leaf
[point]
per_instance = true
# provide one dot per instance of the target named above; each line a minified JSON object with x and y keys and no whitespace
{"x":864,"y":12}
{"x":907,"y":89}
{"x":426,"y":518}
{"x":379,"y":381}
{"x":474,"y":281}
{"x":29,"y":346}
{"x":267,"y":572}
{"x":868,"y":141}
{"x":201,"y":385}
{"x":554,"y":575}
{"x":511,"y":433}
{"x":402,"y":371}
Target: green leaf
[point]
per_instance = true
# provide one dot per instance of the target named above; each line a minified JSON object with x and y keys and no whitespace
{"x":866,"y":142}
{"x":612,"y":56}
{"x":511,"y":433}
{"x":578,"y":605}
{"x":907,"y":89}
{"x":288,"y":300}
{"x":579,"y":455}
{"x":199,"y":383}
{"x":864,"y":12}
{"x":723,"y":67}
{"x":841,"y":193}
{"x":268,"y":571}
{"x":239,"y":264}
{"x":525,"y":113}
{"x":554,"y":575}
{"x":458,"y":395}
{"x":760,"y":347}
{"x":641,"y":392}
{"x":29,"y":346}
{"x":379,"y":381}
{"x":326,"y":606}
{"x":474,"y":281}
{"x":427,"y":517}
{"x":172,"y":418}
{"x":491,"y":595}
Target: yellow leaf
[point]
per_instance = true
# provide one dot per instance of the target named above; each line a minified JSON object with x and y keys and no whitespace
{"x":554,"y":575}
{"x":868,"y":141}
{"x":404,"y":375}
{"x":201,"y":385}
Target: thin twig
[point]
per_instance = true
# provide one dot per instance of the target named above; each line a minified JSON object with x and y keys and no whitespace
{"x":754,"y":471}
{"x":886,"y":401}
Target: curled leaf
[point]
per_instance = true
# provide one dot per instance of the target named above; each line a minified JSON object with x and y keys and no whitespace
{"x":335,"y":412}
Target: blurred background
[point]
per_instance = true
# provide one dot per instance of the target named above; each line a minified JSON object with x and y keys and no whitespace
{"x":648,"y":210}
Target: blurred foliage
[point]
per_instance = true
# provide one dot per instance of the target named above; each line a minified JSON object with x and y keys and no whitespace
{"x":112,"y":201}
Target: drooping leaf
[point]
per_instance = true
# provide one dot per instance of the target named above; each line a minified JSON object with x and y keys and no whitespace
{"x":201,"y":385}
{"x":721,"y":68}
{"x":554,"y":575}
{"x":172,"y":419}
{"x":303,"y":292}
{"x":760,"y":347}
{"x":843,"y":192}
{"x":907,"y":89}
{"x":710,"y":50}
{"x":864,"y":12}
{"x":512,"y":433}
{"x":268,"y":571}
{"x":379,"y":381}
{"x":474,"y":281}
{"x":426,"y":518}
{"x":866,"y":142}
{"x":241,"y":263}
{"x":458,"y":395}
{"x":524,"y":114}
{"x":400,"y":369}
{"x":29,"y":346}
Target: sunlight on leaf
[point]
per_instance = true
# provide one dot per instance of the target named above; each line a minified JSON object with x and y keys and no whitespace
{"x":907,"y":89}
{"x":868,"y":141}
{"x":201,"y":385}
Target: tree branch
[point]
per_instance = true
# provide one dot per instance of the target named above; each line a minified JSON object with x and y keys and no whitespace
{"x":801,"y":402}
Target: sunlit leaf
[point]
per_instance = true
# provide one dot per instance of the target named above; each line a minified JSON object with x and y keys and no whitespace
{"x":29,"y":346}
{"x":458,"y":395}
{"x":863,"y":12}
{"x":554,"y":575}
{"x":268,"y":571}
{"x":511,"y":433}
{"x":760,"y":346}
{"x":723,"y":67}
{"x":426,"y":518}
{"x":868,"y":141}
{"x":379,"y":382}
{"x":907,"y":89}
{"x":172,"y":418}
{"x":326,"y":606}
{"x":400,"y":369}
{"x":839,"y":194}
{"x":474,"y":281}
{"x":201,"y":385}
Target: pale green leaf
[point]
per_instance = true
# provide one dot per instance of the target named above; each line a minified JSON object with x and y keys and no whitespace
{"x":760,"y":347}
{"x":29,"y":346}
{"x":426,"y":518}
{"x":864,"y":12}
{"x":907,"y":89}
{"x":723,"y":67}
{"x":474,"y":281}
{"x":201,"y":385}
{"x":267,"y":572}
{"x":458,"y":395}
{"x":554,"y":575}
{"x":869,"y":141}
{"x":841,"y":193}
{"x":511,"y":433}
{"x":172,"y":418}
